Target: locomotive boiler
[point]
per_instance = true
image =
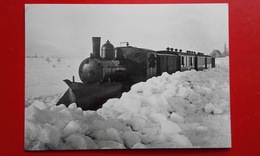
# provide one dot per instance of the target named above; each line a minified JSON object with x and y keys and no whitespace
{"x":110,"y":71}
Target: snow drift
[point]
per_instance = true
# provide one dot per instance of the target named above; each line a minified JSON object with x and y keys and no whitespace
{"x":183,"y":110}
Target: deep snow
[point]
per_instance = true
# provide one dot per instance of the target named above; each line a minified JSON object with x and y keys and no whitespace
{"x":184,"y":110}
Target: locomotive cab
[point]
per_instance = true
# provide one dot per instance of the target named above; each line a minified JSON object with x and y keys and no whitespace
{"x":141,"y":64}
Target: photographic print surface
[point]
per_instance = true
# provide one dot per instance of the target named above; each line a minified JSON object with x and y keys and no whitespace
{"x":126,"y":76}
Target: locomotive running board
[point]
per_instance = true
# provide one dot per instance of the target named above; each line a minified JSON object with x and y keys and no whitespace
{"x":91,"y":96}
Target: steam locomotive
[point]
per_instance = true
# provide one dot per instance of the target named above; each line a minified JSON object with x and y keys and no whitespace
{"x":113,"y":71}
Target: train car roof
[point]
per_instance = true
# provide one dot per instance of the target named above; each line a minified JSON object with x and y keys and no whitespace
{"x":182,"y":53}
{"x":174,"y":53}
{"x":164,"y":52}
{"x":130,"y":47}
{"x":196,"y":54}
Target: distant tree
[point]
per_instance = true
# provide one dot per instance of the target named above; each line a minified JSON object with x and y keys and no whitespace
{"x":59,"y":60}
{"x":48,"y":60}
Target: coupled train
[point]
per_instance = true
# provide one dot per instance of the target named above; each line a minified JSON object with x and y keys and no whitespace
{"x":113,"y":71}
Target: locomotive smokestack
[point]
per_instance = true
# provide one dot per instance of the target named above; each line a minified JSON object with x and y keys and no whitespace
{"x":96,"y":46}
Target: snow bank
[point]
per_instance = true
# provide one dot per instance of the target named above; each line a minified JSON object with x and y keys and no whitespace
{"x":163,"y":112}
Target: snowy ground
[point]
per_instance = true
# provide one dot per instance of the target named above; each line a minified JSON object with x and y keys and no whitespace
{"x":43,"y":76}
{"x":183,"y":110}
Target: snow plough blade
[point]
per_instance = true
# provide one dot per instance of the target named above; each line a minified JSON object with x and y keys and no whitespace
{"x":90,"y":96}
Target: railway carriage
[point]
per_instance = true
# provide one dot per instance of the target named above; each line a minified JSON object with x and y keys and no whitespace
{"x":200,"y":61}
{"x":208,"y":61}
{"x":187,"y":61}
{"x":167,"y":62}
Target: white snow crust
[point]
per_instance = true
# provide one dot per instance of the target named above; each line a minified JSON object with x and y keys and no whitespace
{"x":184,"y":110}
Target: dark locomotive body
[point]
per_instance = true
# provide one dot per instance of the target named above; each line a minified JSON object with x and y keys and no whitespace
{"x":109,"y":73}
{"x":140,"y":63}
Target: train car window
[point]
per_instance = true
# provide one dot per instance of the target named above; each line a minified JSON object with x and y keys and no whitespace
{"x":191,"y":61}
{"x":182,"y":60}
{"x":152,"y":61}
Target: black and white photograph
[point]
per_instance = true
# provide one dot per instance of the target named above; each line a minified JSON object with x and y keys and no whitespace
{"x":126,"y":76}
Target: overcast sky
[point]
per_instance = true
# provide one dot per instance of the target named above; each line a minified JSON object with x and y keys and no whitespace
{"x":66,"y":30}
